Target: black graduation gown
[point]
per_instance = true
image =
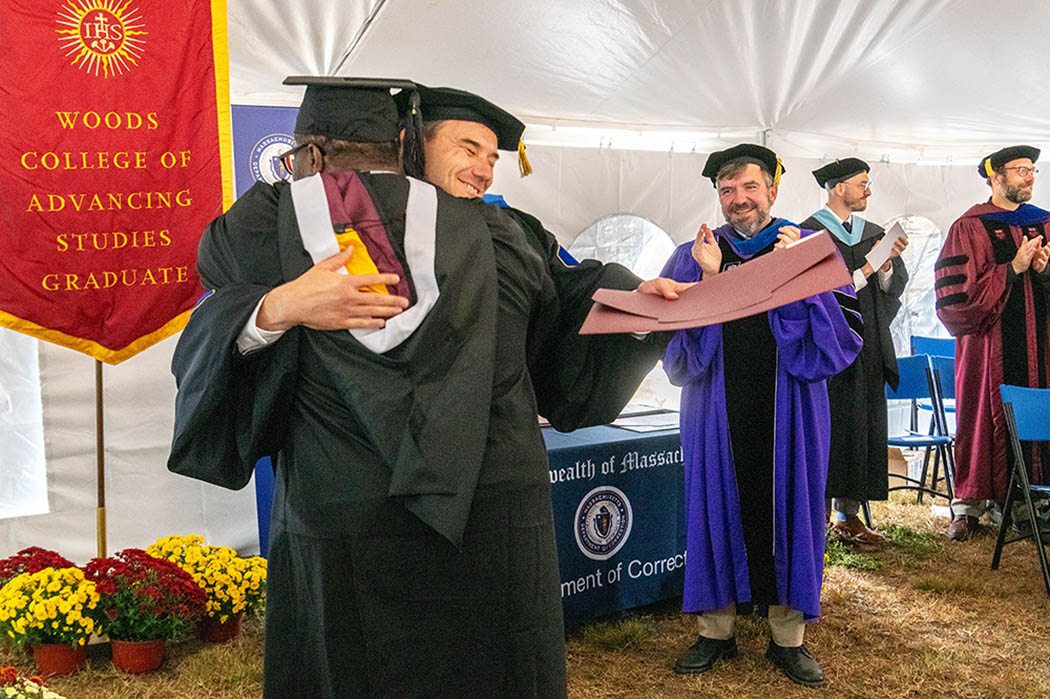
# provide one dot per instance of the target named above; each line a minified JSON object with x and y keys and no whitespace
{"x":749,"y":349}
{"x":412,"y":547}
{"x":566,"y":366}
{"x":858,"y":462}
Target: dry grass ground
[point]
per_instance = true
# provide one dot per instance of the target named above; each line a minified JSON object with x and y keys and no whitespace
{"x":926,"y":618}
{"x":194,"y":669}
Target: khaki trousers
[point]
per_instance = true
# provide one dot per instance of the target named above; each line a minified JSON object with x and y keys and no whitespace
{"x":786,"y":625}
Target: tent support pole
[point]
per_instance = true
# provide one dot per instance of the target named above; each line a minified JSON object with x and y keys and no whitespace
{"x":100,"y":463}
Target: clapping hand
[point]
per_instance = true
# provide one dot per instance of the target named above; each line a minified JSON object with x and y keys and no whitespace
{"x":1041,"y":258}
{"x":786,"y":236}
{"x":1026,"y":254}
{"x":706,"y":251}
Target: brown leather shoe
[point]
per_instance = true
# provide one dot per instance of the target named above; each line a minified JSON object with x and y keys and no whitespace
{"x":962,"y":527}
{"x":854,"y":532}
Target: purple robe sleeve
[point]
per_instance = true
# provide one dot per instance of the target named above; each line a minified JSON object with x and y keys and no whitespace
{"x":689,"y":354}
{"x":814,"y":339}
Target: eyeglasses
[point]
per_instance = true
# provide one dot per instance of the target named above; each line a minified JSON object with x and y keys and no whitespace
{"x":863,"y":186}
{"x":1023,"y":170}
{"x":287,"y":158}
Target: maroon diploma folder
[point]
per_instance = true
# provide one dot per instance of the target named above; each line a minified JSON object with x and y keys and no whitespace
{"x":809,"y":266}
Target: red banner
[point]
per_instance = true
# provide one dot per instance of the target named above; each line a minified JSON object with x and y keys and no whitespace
{"x":114,"y":157}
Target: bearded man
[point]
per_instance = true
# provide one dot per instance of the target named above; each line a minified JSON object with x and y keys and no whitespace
{"x":858,"y":463}
{"x":755,"y":430}
{"x":992,"y":295}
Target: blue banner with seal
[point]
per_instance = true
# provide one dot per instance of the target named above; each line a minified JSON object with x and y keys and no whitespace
{"x":260,"y":136}
{"x":619,"y":517}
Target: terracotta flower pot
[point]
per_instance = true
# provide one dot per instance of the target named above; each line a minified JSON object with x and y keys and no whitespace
{"x":136,"y":657}
{"x":215,"y":631}
{"x":59,"y":658}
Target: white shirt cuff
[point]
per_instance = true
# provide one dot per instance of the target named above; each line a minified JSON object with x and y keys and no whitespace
{"x":252,"y":337}
{"x":885,"y":278}
{"x":859,"y":280}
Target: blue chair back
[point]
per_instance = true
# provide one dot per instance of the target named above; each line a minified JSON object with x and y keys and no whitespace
{"x":945,"y":368}
{"x":914,"y":384}
{"x":1031,"y":408}
{"x":940,"y":346}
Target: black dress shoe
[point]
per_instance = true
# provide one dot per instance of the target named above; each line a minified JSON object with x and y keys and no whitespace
{"x":797,"y":663}
{"x":701,"y":656}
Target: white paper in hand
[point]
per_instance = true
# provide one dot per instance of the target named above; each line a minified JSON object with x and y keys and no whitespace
{"x":881,"y":252}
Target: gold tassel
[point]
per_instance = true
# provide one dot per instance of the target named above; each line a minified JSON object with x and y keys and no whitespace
{"x":524,"y":167}
{"x":988,"y":168}
{"x":778,"y":173}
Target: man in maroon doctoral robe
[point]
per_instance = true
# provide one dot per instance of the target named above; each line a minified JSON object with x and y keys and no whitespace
{"x":992,"y":295}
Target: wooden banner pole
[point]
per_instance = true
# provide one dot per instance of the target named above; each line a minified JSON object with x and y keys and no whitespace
{"x":100,"y":463}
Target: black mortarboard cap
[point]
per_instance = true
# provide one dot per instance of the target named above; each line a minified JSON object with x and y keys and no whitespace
{"x":440,"y":103}
{"x":350,"y":109}
{"x":745,"y":152}
{"x":990,"y":163}
{"x":839,"y":171}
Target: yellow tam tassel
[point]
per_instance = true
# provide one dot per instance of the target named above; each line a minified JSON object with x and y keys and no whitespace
{"x":988,"y":167}
{"x":360,"y":261}
{"x":524,"y":167}
{"x":778,"y":173}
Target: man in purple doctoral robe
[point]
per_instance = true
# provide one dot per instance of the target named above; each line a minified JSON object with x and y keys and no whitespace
{"x":755,"y":431}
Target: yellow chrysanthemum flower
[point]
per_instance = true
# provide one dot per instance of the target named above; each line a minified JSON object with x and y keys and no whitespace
{"x":47,"y":607}
{"x":233,"y":584}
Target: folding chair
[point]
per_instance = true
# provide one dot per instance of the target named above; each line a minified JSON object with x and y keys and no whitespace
{"x":944,"y":376}
{"x":918,"y":382}
{"x":1027,"y":420}
{"x":937,"y":346}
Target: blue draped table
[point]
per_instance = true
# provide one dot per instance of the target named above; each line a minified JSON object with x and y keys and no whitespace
{"x":618,"y":517}
{"x":618,"y":514}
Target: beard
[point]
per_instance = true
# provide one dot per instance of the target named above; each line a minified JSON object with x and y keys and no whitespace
{"x":855,"y":203}
{"x":1017,"y":195}
{"x":748,"y":219}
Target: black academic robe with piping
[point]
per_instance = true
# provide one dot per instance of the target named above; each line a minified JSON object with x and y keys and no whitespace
{"x":412,"y":548}
{"x":858,"y":461}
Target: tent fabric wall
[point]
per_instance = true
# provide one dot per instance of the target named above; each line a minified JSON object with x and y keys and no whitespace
{"x":144,"y":501}
{"x":572,"y":187}
{"x":23,"y":483}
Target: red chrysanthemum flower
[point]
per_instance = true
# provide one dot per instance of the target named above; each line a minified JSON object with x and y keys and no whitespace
{"x":145,"y":597}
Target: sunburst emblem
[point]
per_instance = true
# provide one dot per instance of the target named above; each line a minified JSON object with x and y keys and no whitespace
{"x":103,"y":37}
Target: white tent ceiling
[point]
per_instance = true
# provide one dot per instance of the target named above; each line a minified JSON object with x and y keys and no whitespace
{"x":932,"y":80}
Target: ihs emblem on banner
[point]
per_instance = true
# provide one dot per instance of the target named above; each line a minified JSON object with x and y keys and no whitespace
{"x":103,"y":37}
